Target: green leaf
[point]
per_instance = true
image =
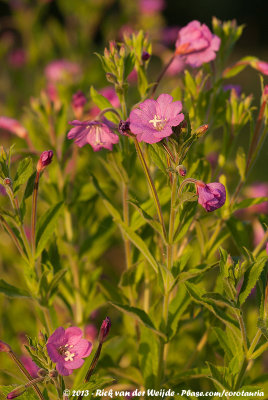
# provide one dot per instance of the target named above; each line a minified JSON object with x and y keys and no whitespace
{"x":251,"y":277}
{"x":219,"y":300}
{"x":186,"y":196}
{"x":102,"y":102}
{"x":53,"y":286}
{"x":139,"y":315}
{"x":46,"y":226}
{"x":239,"y":233}
{"x":224,"y":342}
{"x":176,"y":309}
{"x":190,"y":83}
{"x":148,"y":353}
{"x":150,"y":220}
{"x":12,"y":291}
{"x":241,"y":162}
{"x":23,"y":173}
{"x":94,"y":384}
{"x":158,"y":157}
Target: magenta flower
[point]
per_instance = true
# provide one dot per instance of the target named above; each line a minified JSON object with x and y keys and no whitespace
{"x":31,"y":367}
{"x":59,"y":70}
{"x":13,"y":126}
{"x":67,"y":349}
{"x":196,"y":44}
{"x":78,"y":102}
{"x":154,"y":119}
{"x":211,"y":195}
{"x":96,"y":133}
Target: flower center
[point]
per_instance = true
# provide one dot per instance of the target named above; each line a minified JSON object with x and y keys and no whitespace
{"x":98,"y":138}
{"x":63,"y":351}
{"x":158,"y":122}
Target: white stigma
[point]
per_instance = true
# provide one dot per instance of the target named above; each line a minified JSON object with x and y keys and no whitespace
{"x":69,"y":356}
{"x":158,"y":122}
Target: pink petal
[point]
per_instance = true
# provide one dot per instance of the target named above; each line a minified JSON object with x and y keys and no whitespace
{"x":62,"y":370}
{"x":73,"y":335}
{"x":57,"y":337}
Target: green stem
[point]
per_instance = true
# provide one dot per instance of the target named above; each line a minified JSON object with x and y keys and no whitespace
{"x":25,"y":373}
{"x":34,"y":207}
{"x":161,"y":76}
{"x":13,"y":236}
{"x":260,"y":245}
{"x":241,"y":375}
{"x":152,"y":187}
{"x":243,"y":332}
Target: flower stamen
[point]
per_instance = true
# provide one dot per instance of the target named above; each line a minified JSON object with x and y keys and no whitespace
{"x":158,"y":122}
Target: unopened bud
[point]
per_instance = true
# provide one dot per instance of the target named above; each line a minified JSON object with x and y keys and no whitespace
{"x":105,"y":329}
{"x":53,"y":374}
{"x":112,"y":46}
{"x":42,"y":373}
{"x":123,"y":127}
{"x":7,"y":181}
{"x":111,"y":77}
{"x":44,"y":160}
{"x":16,"y":392}
{"x":201,"y":130}
{"x":5,"y":347}
{"x":181,"y":170}
{"x":145,"y":56}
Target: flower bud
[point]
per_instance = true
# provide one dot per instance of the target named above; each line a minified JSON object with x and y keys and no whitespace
{"x":201,"y":130}
{"x":104,"y":330}
{"x":53,"y":374}
{"x":44,"y":160}
{"x":181,"y":170}
{"x":111,"y":77}
{"x":145,"y":56}
{"x":123,"y":127}
{"x":7,"y":182}
{"x":16,"y":392}
{"x":5,"y":347}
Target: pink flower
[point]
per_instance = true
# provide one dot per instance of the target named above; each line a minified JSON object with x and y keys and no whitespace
{"x":211,"y":195}
{"x":262,"y":66}
{"x":266,"y":248}
{"x":31,"y":367}
{"x":154,"y":119}
{"x":196,"y":44}
{"x":151,"y":6}
{"x":13,"y":126}
{"x":58,"y":70}
{"x":96,"y":133}
{"x":67,"y":349}
{"x":91,"y":332}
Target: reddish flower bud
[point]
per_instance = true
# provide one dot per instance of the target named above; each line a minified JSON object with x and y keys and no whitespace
{"x":211,"y":196}
{"x":4,"y":347}
{"x":201,"y":130}
{"x":105,"y":329}
{"x":44,"y":160}
{"x":7,"y":181}
{"x":16,"y":392}
{"x":181,"y":170}
{"x":145,"y":56}
{"x":123,"y":127}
